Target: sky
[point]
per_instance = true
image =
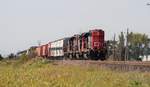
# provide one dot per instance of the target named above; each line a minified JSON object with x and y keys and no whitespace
{"x":24,"y":23}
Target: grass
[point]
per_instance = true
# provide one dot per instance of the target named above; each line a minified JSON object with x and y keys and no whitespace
{"x":41,"y":73}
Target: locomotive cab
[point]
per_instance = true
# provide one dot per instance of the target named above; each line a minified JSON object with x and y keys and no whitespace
{"x":97,"y":44}
{"x":93,"y":44}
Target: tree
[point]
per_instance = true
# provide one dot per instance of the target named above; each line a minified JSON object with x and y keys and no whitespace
{"x":137,"y":43}
{"x":11,"y":56}
{"x":137,"y":39}
{"x":121,"y":46}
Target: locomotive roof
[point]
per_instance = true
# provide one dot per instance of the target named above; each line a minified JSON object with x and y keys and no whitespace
{"x":59,"y":39}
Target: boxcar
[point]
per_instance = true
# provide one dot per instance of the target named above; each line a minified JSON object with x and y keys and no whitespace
{"x":44,"y":50}
{"x":56,"y":49}
{"x":39,"y":51}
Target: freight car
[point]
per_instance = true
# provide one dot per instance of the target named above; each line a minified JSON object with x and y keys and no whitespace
{"x":88,"y":45}
{"x":56,"y":48}
{"x":42,"y":51}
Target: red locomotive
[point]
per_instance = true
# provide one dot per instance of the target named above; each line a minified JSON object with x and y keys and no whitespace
{"x":88,"y":45}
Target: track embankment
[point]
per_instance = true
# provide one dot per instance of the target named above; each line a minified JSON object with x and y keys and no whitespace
{"x":113,"y":65}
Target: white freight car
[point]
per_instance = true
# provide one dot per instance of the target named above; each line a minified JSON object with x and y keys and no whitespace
{"x":56,"y":48}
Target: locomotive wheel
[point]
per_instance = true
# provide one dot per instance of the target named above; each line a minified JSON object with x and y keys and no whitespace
{"x":65,"y":56}
{"x":85,"y":55}
{"x":93,"y":55}
{"x":77,"y":56}
{"x":70,"y":56}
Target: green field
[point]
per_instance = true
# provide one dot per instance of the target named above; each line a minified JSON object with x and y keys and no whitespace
{"x":42,"y":73}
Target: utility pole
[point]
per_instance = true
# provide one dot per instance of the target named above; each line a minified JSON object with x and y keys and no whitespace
{"x":121,"y":46}
{"x":127,"y":48}
{"x":114,"y":50}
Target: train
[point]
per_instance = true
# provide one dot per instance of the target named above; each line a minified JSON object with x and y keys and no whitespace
{"x":85,"y":46}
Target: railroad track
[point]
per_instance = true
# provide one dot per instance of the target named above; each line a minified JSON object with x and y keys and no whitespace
{"x":113,"y":65}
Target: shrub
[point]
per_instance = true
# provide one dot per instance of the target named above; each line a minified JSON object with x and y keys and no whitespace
{"x":1,"y":57}
{"x":23,"y":58}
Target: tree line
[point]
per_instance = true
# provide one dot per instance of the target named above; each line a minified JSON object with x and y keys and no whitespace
{"x":130,"y":46}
